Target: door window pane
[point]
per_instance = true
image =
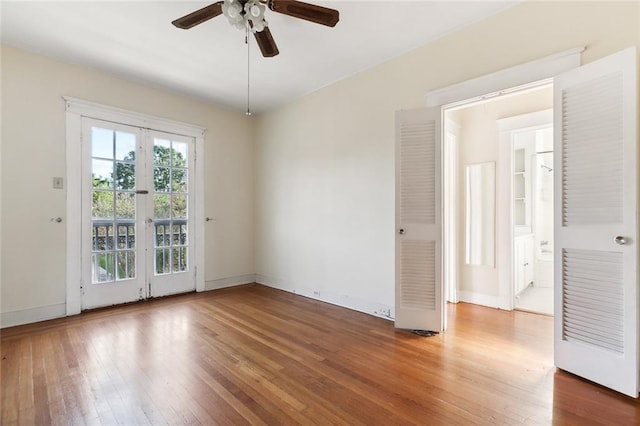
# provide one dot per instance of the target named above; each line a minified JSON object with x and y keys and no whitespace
{"x":102,"y":267}
{"x":161,"y":179}
{"x":125,"y":176}
{"x":163,"y":234}
{"x":179,"y":206}
{"x":102,"y":205}
{"x":102,"y":173}
{"x":125,"y":205}
{"x":179,"y":151}
{"x":179,"y":180}
{"x":126,"y":235}
{"x":163,"y":262}
{"x":101,"y":143}
{"x":162,"y":152}
{"x":126,"y":264}
{"x":179,"y":234}
{"x":100,"y":233}
{"x":125,"y":146}
{"x":162,"y":206}
{"x":179,"y":259}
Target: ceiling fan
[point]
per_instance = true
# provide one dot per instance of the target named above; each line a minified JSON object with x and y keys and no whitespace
{"x":249,"y":14}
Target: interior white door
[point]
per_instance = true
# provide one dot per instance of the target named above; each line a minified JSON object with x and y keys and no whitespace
{"x":419,"y":301}
{"x":113,"y":227}
{"x":596,"y":296}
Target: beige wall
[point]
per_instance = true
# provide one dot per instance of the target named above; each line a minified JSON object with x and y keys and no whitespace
{"x":322,"y":194}
{"x":33,"y":151}
{"x":479,"y":143}
{"x":325,"y":164}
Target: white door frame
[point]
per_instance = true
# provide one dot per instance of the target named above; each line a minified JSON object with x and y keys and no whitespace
{"x":75,"y":110}
{"x":505,"y":81}
{"x":450,"y":205}
{"x":510,"y":80}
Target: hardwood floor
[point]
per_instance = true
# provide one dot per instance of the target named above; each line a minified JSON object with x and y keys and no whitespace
{"x":254,"y":355}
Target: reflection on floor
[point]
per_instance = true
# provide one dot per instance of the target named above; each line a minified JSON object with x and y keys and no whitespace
{"x":536,"y":299}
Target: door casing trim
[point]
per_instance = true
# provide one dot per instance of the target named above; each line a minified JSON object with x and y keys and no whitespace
{"x":76,"y":109}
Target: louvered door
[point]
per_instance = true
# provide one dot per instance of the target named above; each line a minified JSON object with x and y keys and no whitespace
{"x":596,"y":312}
{"x":418,"y":223}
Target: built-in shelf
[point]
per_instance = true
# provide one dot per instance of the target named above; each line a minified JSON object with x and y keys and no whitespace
{"x":521,"y":190}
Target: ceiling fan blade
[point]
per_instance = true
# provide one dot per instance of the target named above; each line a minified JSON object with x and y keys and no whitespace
{"x":199,"y":16}
{"x":306,"y":11}
{"x":266,"y":43}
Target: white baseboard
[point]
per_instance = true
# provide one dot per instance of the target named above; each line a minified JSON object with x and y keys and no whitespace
{"x":27,"y":316}
{"x":345,"y":301}
{"x":229,"y":282}
{"x":479,"y":299}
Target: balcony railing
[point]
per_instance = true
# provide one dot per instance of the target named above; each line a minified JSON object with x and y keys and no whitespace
{"x":114,"y":244}
{"x":119,"y":234}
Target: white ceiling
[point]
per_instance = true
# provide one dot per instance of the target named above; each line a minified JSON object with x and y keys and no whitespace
{"x":135,"y":39}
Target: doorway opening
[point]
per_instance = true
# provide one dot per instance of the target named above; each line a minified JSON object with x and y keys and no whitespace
{"x":595,"y":212}
{"x":498,"y":200}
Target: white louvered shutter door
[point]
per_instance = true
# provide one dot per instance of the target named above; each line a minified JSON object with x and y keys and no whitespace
{"x":418,"y":223}
{"x":596,"y":312}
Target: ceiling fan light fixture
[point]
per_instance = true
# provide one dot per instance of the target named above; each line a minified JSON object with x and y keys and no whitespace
{"x":248,"y":15}
{"x":233,"y":12}
{"x":245,"y":13}
{"x":232,"y":9}
{"x":254,"y":12}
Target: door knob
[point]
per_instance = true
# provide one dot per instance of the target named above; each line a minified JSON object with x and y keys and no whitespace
{"x":401,"y":231}
{"x":620,"y":240}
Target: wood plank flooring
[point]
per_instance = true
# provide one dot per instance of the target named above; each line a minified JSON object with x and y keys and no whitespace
{"x":255,"y":355}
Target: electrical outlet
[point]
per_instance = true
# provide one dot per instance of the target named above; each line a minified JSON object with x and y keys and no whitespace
{"x":316,"y":293}
{"x":384,"y":312}
{"x":58,"y":183}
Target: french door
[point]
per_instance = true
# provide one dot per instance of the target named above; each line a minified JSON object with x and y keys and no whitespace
{"x":136,"y":226}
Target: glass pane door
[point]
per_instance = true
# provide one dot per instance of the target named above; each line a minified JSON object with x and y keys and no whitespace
{"x":137,"y":225}
{"x":113,"y":227}
{"x":172,"y":159}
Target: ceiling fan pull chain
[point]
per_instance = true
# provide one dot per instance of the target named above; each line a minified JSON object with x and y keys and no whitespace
{"x":246,"y":40}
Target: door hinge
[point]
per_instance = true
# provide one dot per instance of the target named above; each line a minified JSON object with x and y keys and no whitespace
{"x":149,"y":294}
